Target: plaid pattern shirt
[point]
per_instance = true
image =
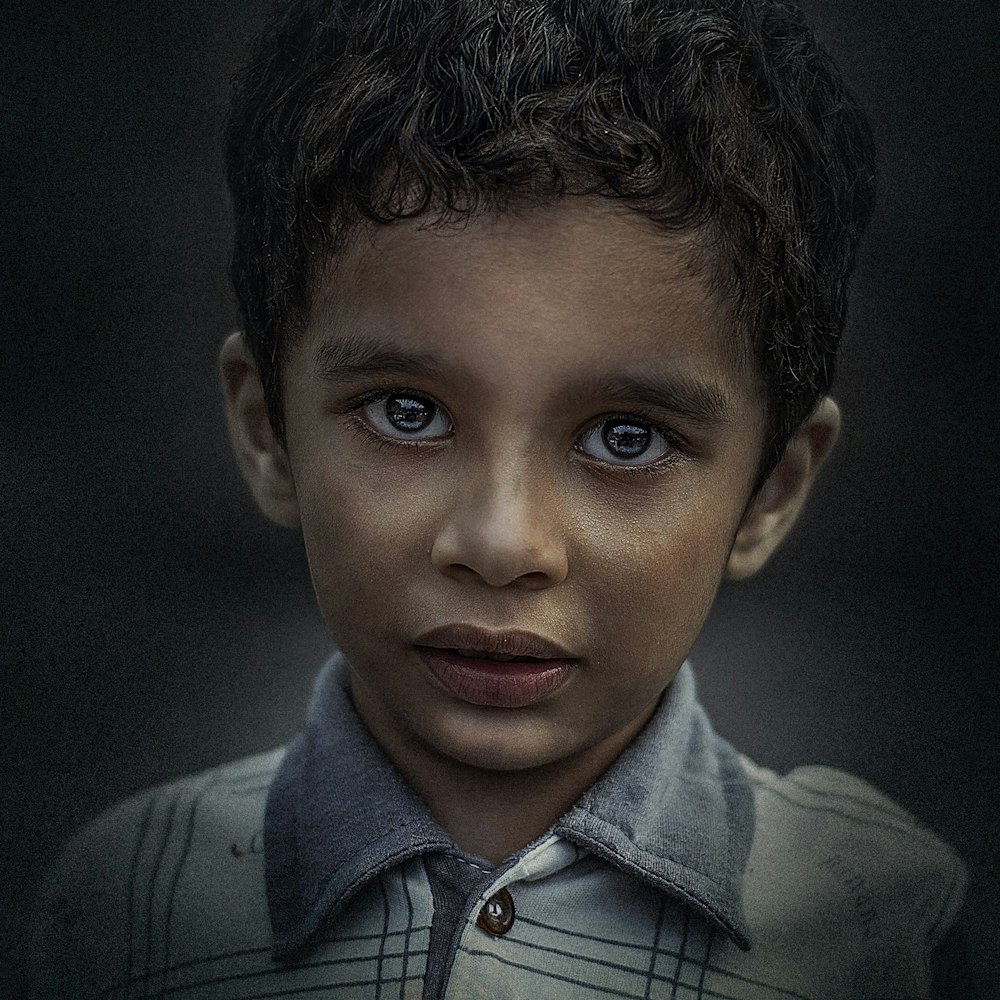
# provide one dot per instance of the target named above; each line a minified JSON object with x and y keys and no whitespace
{"x":686,"y":871}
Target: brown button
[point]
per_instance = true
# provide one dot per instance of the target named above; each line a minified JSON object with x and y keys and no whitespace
{"x":497,"y":915}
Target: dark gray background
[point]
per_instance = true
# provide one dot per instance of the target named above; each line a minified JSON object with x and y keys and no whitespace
{"x":153,"y":624}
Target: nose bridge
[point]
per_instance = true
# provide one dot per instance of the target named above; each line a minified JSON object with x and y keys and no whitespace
{"x":504,"y":524}
{"x":508,"y":483}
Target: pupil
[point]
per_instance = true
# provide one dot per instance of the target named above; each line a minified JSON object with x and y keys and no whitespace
{"x":407,"y":414}
{"x":626,"y":440}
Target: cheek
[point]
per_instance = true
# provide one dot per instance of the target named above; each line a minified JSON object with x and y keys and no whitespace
{"x":659,"y":577}
{"x":363,"y":538}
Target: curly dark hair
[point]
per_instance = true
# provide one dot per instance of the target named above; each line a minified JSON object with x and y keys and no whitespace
{"x":724,"y":115}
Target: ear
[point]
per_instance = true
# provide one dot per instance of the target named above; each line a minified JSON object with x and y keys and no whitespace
{"x":780,"y":499}
{"x":261,"y":457}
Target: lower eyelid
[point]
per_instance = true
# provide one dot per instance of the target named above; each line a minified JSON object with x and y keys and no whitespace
{"x":359,"y":424}
{"x":658,"y":467}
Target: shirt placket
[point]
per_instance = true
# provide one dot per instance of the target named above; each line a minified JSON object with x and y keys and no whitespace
{"x":497,"y":930}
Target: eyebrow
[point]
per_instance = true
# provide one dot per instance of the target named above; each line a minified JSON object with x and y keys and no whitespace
{"x":352,"y":355}
{"x":683,"y":395}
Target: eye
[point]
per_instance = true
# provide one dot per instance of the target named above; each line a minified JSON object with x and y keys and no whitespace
{"x":406,"y":416}
{"x":625,"y":441}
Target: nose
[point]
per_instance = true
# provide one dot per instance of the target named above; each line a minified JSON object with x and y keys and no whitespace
{"x":503,"y":529}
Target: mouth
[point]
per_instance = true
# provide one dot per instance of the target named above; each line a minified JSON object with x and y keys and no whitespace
{"x":506,"y":669}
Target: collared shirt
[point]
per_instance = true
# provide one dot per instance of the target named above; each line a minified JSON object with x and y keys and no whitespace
{"x":685,"y":871}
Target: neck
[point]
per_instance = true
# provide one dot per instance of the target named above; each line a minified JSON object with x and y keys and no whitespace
{"x":493,"y":814}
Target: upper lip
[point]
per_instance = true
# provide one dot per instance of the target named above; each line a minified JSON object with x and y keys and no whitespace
{"x":476,"y":639}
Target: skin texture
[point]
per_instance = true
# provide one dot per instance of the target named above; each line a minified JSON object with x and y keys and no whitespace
{"x":507,"y":510}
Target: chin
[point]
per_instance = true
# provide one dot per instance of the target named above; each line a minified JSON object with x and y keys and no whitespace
{"x":499,"y":747}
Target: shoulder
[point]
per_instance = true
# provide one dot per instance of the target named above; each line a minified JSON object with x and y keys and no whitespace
{"x":116,"y":906}
{"x":834,"y":858}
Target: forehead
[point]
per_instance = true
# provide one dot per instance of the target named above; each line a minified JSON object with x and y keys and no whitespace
{"x":582,"y":284}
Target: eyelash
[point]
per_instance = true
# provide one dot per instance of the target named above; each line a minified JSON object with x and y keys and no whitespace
{"x":381,"y":442}
{"x":353,"y":407}
{"x":648,"y":470}
{"x":651,"y":469}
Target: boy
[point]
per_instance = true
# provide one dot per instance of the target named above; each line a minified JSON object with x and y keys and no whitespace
{"x":541,"y":308}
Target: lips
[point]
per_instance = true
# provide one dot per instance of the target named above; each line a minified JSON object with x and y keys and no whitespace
{"x":505,"y":669}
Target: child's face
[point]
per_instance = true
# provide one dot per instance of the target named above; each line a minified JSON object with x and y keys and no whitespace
{"x":536,"y":425}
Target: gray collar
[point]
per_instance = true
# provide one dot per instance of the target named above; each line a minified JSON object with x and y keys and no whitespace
{"x":675,"y":811}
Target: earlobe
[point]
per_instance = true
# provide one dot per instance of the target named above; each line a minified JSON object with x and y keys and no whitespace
{"x":262,"y":459}
{"x":780,"y":499}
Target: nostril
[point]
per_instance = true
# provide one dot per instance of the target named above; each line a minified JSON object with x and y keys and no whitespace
{"x":535,"y":580}
{"x":461,"y":572}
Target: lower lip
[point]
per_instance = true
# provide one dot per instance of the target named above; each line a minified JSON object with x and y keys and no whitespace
{"x":495,"y":683}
